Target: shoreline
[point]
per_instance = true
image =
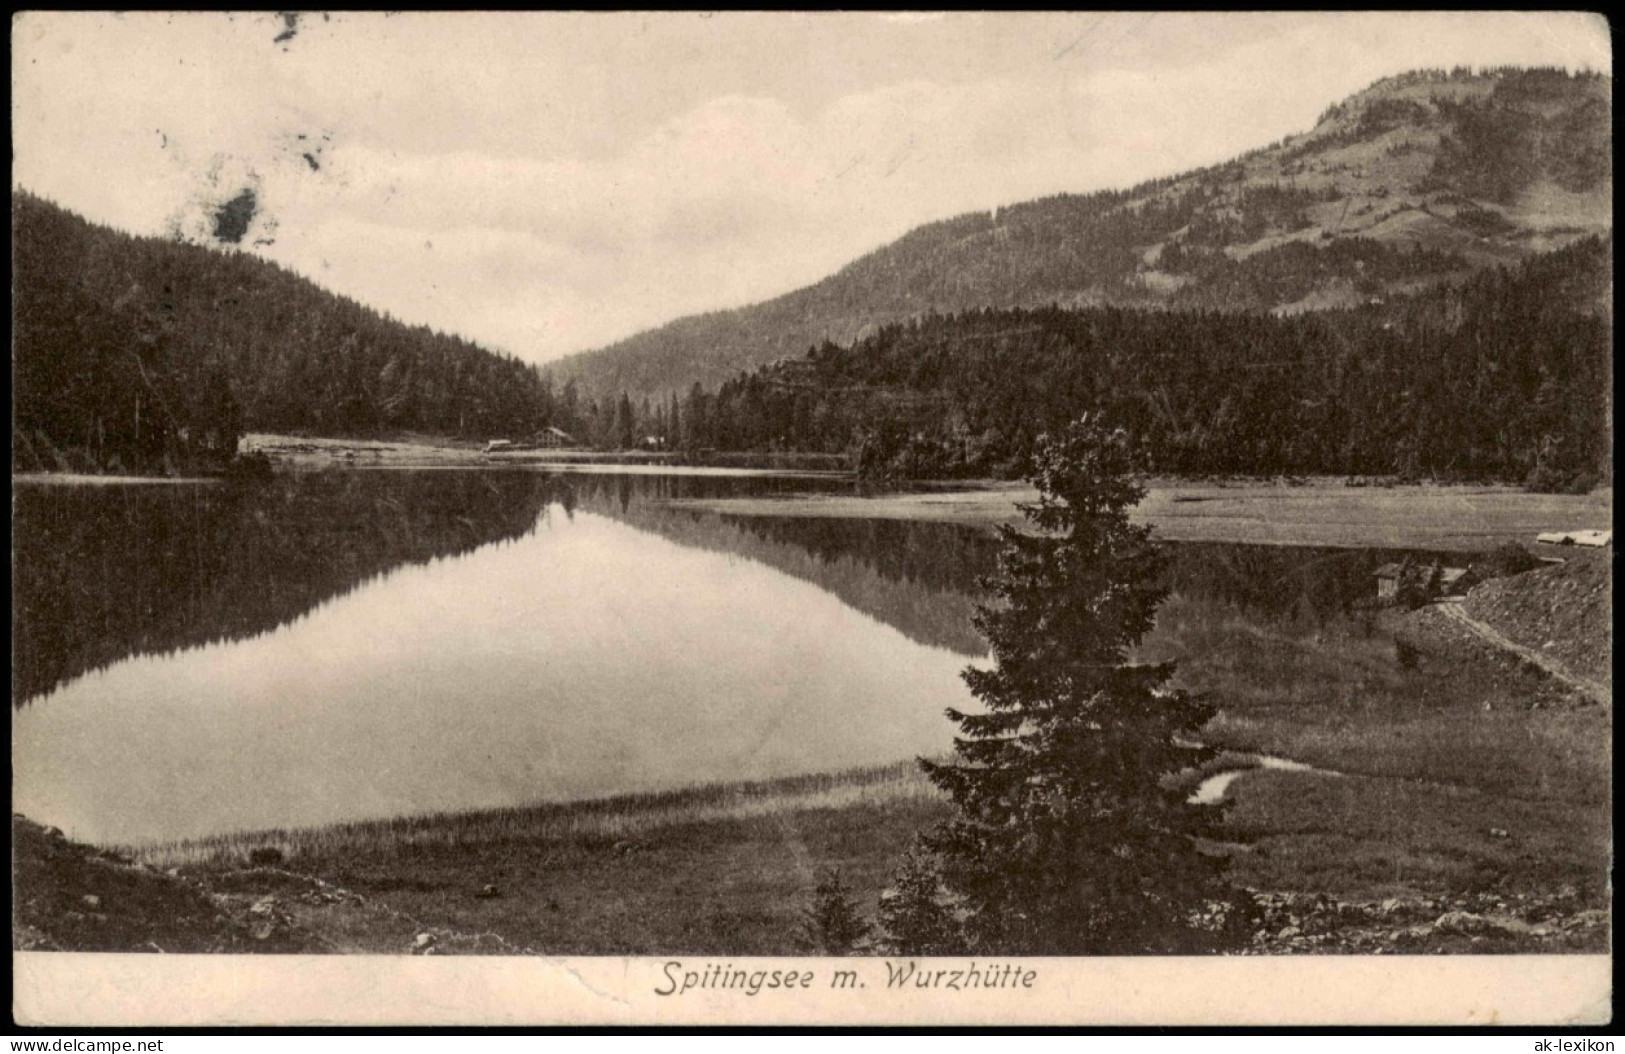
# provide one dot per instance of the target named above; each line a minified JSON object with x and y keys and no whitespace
{"x":1320,"y":513}
{"x":1461,"y":518}
{"x":86,"y":479}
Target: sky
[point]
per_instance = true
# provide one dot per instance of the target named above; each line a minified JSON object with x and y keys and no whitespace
{"x":549,"y":183}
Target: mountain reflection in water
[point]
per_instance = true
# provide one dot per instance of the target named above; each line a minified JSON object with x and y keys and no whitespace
{"x":345,"y":645}
{"x":574,"y":656}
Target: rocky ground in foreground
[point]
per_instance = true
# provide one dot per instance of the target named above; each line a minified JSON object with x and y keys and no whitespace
{"x":1296,"y":923}
{"x":71,"y":897}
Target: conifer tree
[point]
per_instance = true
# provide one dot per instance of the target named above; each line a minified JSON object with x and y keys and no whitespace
{"x":1068,"y":838}
{"x":914,"y":920}
{"x":831,"y":925}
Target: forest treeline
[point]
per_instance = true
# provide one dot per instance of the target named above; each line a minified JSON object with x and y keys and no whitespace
{"x":1507,"y":376}
{"x":146,"y":354}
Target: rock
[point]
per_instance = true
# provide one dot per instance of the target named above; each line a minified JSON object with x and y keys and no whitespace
{"x":54,"y":832}
{"x":623,"y":848}
{"x":173,"y":872}
{"x":1496,"y":832}
{"x":423,"y":942}
{"x":1462,"y":922}
{"x":488,"y":892}
{"x":1468,"y":924}
{"x":1290,"y":931}
{"x":262,"y":929}
{"x":264,"y":907}
{"x":91,"y":900}
{"x":1585,"y":919}
{"x":1391,"y":906}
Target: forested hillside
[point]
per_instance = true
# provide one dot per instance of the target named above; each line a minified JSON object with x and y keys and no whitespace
{"x":132,"y":353}
{"x":1421,"y":179}
{"x":1506,"y":377}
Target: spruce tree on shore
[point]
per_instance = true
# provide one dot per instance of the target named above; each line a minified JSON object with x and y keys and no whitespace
{"x":1068,"y":838}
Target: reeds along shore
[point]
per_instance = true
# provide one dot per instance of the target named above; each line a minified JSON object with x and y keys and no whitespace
{"x":621,"y":817}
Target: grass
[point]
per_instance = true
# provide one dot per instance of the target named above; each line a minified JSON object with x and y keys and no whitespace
{"x":1365,"y":838}
{"x":1336,"y":696}
{"x":719,"y":870}
{"x":733,"y":886}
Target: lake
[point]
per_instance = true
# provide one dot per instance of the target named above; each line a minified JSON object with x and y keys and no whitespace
{"x":346,"y":645}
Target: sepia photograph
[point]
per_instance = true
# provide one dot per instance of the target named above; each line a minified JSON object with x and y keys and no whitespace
{"x":811,"y":518}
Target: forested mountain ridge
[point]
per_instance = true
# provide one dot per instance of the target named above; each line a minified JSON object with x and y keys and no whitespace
{"x":1506,"y":376}
{"x":139,"y":353}
{"x":1422,"y":178}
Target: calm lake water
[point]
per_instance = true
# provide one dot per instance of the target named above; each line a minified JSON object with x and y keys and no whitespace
{"x":348,"y":645}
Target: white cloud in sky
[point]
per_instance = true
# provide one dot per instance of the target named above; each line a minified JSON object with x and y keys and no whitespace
{"x":549,"y":183}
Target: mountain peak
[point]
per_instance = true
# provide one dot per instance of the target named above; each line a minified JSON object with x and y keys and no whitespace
{"x":1423,"y":177}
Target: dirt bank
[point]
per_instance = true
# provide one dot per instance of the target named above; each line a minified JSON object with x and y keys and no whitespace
{"x":1562,"y":611}
{"x":71,"y":897}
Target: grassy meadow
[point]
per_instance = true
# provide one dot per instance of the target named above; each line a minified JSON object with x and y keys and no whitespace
{"x":1458,"y":770}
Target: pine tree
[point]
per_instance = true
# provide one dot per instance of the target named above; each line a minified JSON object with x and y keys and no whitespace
{"x":913,"y":918}
{"x":1068,"y":839}
{"x":831,"y":924}
{"x":625,"y":424}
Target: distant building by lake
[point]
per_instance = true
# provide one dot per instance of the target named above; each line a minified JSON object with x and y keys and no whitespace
{"x":1391,"y":576}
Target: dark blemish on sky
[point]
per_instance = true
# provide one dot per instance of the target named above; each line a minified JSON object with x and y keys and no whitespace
{"x":311,"y":161}
{"x":290,"y":23}
{"x":231,"y":220}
